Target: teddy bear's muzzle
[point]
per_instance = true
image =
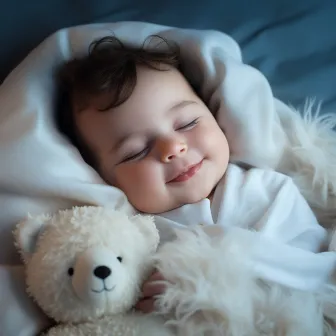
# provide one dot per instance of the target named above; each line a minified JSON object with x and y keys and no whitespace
{"x":97,"y":274}
{"x":103,"y":272}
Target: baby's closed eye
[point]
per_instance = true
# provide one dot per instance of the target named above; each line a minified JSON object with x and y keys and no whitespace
{"x":189,"y":125}
{"x":138,"y":155}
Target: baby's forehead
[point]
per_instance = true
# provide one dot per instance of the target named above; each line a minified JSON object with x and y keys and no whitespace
{"x":148,"y":84}
{"x":155,"y":95}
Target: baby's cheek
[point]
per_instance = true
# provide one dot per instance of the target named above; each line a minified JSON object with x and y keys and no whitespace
{"x":144,"y":187}
{"x":143,"y":172}
{"x":215,"y":139}
{"x":205,"y":137}
{"x":136,"y":177}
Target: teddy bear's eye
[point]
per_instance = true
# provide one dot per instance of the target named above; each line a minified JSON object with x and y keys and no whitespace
{"x":119,"y":258}
{"x":71,"y":271}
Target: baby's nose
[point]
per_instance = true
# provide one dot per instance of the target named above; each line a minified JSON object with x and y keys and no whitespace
{"x":171,"y":149}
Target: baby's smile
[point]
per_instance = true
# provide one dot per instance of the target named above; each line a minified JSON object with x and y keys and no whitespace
{"x":187,"y":173}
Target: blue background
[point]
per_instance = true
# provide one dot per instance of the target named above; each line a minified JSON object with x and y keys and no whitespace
{"x":293,"y":42}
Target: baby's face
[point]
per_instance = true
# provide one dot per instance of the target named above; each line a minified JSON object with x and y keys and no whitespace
{"x":162,"y":147}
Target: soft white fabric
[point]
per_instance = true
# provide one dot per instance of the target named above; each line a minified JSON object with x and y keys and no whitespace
{"x":291,"y":250}
{"x":19,"y":315}
{"x":40,"y":171}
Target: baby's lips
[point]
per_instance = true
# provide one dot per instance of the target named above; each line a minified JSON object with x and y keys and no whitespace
{"x":186,"y":173}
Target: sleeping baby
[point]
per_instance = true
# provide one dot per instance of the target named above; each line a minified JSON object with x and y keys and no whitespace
{"x":139,"y":123}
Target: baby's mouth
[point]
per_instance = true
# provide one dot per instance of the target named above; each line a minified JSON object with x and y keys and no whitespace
{"x":188,"y":173}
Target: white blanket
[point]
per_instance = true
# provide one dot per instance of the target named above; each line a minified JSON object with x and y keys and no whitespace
{"x":40,"y":171}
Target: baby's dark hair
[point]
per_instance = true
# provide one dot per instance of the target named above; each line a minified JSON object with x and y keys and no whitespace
{"x":109,"y":70}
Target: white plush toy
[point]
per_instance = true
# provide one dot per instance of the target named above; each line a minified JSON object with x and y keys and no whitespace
{"x":84,"y":268}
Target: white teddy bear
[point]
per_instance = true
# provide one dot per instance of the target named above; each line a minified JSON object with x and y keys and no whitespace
{"x":85,"y":267}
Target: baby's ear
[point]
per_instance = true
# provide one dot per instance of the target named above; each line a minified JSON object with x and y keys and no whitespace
{"x":147,"y":227}
{"x":27,"y":232}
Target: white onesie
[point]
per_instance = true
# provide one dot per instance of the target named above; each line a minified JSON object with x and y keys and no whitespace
{"x":268,"y":204}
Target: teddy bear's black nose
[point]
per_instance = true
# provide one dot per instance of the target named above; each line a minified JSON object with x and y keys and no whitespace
{"x":102,"y":272}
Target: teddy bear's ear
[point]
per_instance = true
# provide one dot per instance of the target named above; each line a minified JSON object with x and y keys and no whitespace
{"x":148,"y":228}
{"x":27,"y":232}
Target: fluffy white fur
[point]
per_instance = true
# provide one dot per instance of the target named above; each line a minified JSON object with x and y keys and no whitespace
{"x":310,"y":158}
{"x":211,"y":295}
{"x":62,"y":254}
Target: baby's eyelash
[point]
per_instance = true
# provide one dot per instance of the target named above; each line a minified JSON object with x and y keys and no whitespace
{"x":189,"y":125}
{"x":143,"y":153}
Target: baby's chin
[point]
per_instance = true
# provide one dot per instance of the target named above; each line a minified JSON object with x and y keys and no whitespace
{"x":158,"y":207}
{"x":195,"y":198}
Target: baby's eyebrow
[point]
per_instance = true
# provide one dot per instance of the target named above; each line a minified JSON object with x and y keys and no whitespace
{"x":182,"y":104}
